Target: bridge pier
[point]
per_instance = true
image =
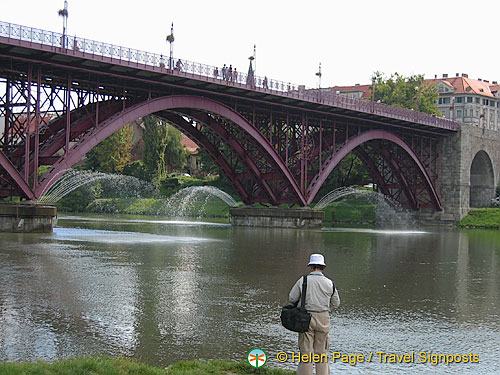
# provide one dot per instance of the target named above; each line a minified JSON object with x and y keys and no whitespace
{"x":276,"y":217}
{"x":468,"y":175}
{"x":26,"y":217}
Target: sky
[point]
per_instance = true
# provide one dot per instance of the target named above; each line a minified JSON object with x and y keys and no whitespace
{"x":351,"y":39}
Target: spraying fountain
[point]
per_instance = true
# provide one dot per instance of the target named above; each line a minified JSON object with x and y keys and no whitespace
{"x":192,"y":201}
{"x":74,"y":179}
{"x":388,"y":211}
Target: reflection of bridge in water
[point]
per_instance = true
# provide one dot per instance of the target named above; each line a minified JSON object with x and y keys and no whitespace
{"x":275,"y":141}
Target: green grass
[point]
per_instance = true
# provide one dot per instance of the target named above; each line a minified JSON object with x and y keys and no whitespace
{"x":482,"y":218}
{"x":122,"y":366}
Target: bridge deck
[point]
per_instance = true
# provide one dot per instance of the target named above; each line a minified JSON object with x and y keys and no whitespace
{"x":113,"y":64}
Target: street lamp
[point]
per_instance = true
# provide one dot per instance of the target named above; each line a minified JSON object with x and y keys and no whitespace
{"x":64,"y":14}
{"x":251,"y":72}
{"x":318,"y":73}
{"x":170,"y":39}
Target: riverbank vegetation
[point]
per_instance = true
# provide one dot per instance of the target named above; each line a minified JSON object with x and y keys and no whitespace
{"x":122,"y":366}
{"x":488,"y":218}
{"x":351,"y":210}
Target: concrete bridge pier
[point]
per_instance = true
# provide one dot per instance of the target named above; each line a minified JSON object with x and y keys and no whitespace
{"x":27,"y":217}
{"x":277,"y":217}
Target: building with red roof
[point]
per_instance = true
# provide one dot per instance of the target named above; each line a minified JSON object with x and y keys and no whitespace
{"x":463,"y":99}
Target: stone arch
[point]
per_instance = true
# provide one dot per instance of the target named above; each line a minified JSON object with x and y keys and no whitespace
{"x":482,"y":180}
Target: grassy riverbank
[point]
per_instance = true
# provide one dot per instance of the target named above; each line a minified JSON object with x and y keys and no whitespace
{"x":482,"y":218}
{"x":121,"y":366}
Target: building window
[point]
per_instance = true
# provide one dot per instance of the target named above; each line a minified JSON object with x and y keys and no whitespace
{"x":477,"y":100}
{"x":469,"y":99}
{"x":459,"y":99}
{"x":485,"y":101}
{"x":446,"y":100}
{"x":471,"y":113}
{"x":459,"y":113}
{"x":492,"y":103}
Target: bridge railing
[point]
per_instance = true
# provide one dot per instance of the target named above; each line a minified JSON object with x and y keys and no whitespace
{"x":207,"y":72}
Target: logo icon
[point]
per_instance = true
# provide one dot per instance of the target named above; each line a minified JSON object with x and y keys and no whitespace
{"x":257,"y":357}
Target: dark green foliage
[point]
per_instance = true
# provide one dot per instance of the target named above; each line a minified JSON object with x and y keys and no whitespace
{"x":207,"y":165}
{"x":350,"y":171}
{"x":155,"y":143}
{"x":135,"y":169}
{"x":351,"y":210}
{"x":169,"y":186}
{"x":401,"y":91}
{"x":79,"y":199}
{"x":175,"y":155}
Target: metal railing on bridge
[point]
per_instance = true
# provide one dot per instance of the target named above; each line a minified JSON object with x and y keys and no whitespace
{"x":206,"y":72}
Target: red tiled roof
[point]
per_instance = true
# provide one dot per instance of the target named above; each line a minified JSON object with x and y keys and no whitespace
{"x":465,"y":85}
{"x":188,"y":144}
{"x":365,"y":89}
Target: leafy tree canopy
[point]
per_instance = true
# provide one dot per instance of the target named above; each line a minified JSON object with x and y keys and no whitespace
{"x":403,"y":92}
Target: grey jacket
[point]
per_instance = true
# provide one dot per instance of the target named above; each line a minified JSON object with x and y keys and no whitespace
{"x":320,"y":295}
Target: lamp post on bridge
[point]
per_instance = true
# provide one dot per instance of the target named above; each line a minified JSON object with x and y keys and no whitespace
{"x":64,"y":14}
{"x":170,"y":39}
{"x":318,"y":73}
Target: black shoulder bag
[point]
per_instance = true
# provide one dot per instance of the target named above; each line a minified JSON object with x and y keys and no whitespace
{"x":296,"y":318}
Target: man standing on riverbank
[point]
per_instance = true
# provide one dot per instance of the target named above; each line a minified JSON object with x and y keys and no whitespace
{"x":321,"y":295}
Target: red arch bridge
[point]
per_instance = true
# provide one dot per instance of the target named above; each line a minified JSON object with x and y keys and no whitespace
{"x":275,"y":141}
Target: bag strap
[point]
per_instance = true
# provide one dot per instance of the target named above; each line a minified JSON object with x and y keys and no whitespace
{"x":304,"y":288}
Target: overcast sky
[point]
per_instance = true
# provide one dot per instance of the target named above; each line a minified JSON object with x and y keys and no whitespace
{"x":351,"y":38}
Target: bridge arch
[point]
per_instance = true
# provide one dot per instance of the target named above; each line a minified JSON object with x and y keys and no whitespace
{"x":176,"y":106}
{"x":372,"y":135}
{"x":482,"y":180}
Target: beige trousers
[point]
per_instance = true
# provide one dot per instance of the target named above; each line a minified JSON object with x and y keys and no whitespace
{"x":316,"y":340}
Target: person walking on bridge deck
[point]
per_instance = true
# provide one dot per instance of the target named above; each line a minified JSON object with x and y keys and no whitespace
{"x":321,"y":295}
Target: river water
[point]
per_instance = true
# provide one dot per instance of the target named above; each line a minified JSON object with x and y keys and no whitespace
{"x":163,"y":291}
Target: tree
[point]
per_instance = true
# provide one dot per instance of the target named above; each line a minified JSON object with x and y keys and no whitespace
{"x":162,"y":147}
{"x":113,"y":153}
{"x":175,"y":153}
{"x":402,"y":92}
{"x":155,"y":143}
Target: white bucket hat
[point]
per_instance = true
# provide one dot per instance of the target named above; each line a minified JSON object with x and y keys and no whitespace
{"x":317,"y":259}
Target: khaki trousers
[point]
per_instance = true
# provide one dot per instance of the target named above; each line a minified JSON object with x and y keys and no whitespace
{"x":316,"y":340}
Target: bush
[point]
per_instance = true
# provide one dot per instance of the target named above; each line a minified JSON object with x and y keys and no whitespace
{"x":135,"y":169}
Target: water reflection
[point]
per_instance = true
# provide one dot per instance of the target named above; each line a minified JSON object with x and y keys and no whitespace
{"x":163,"y":293}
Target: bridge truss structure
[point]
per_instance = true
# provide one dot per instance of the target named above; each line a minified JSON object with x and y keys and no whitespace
{"x":276,"y":142}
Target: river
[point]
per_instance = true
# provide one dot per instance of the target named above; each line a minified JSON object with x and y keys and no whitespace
{"x":163,"y":291}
